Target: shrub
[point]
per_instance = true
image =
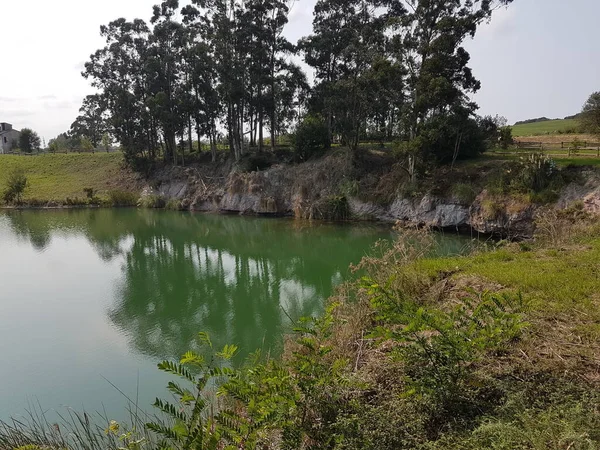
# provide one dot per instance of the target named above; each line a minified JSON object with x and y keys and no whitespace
{"x":256,"y":162}
{"x":76,"y":201}
{"x":536,"y":172}
{"x":15,"y":187}
{"x":92,"y":196}
{"x":506,"y":138}
{"x":122,"y":198}
{"x":464,"y":192}
{"x":152,"y":202}
{"x":173,"y":205}
{"x":311,"y":138}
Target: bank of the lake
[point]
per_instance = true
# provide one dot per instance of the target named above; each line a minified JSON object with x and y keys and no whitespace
{"x":494,"y":194}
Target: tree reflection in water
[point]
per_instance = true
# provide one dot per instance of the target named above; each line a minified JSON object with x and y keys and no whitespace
{"x":236,"y":278}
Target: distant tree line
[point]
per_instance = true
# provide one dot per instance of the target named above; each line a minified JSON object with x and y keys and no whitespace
{"x":393,"y":70}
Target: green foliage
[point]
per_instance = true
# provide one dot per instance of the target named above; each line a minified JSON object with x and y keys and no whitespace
{"x":122,"y":198}
{"x":153,"y":201}
{"x":29,"y":141}
{"x":311,"y":138}
{"x":335,"y":208}
{"x":464,"y":192}
{"x":441,"y":347}
{"x":16,"y":184}
{"x":92,"y":196}
{"x":173,"y":205}
{"x":590,"y":114}
{"x":536,"y":172}
{"x":506,"y":137}
{"x":192,"y":425}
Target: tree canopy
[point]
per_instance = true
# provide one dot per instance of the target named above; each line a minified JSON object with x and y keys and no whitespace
{"x":590,"y":114}
{"x":29,"y":141}
{"x":222,"y":70}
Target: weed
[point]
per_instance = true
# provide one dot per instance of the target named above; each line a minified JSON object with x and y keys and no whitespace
{"x":464,"y":192}
{"x":153,"y":201}
{"x":122,"y":198}
{"x":15,"y":187}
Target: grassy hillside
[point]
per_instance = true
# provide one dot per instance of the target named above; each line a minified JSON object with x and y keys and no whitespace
{"x":547,"y":127}
{"x":56,"y":177}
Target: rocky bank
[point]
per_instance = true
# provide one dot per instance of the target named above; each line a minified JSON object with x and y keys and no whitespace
{"x":322,"y":189}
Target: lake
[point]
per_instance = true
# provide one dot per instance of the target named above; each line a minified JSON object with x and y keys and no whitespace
{"x":93,"y":299}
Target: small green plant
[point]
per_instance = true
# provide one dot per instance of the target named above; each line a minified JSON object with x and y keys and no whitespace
{"x":575,"y":147}
{"x":122,"y":198}
{"x":92,"y":196}
{"x":349,"y":187}
{"x":193,"y":426}
{"x":152,"y":201}
{"x":173,"y":205}
{"x":492,"y":208}
{"x":335,"y":208}
{"x":464,"y":192}
{"x":15,"y":187}
{"x":506,"y":137}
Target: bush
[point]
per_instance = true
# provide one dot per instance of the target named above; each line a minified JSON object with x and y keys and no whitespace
{"x":252,"y":163}
{"x":122,"y":198}
{"x":173,"y":205}
{"x":311,"y":138}
{"x":152,"y":202}
{"x":536,"y":173}
{"x":15,"y":187}
{"x":464,"y":192}
{"x":506,"y":137}
{"x":92,"y":196}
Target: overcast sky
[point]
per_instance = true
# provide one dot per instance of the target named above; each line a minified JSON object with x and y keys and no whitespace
{"x":536,"y":58}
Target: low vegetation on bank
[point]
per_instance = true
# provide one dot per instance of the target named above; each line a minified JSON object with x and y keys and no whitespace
{"x":497,"y":349}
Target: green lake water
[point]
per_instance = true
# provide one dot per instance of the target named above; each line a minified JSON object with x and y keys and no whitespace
{"x":90,"y":298}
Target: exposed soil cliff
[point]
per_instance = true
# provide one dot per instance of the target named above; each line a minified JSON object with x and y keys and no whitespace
{"x":323,"y":189}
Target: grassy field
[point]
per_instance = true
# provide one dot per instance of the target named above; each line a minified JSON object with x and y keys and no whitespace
{"x":547,"y":127}
{"x":58,"y":176}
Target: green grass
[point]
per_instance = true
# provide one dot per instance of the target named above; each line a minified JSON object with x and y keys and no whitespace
{"x":58,"y":176}
{"x":556,"y":280}
{"x":547,"y":127}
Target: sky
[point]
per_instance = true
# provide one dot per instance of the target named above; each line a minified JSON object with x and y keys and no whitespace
{"x":536,"y":58}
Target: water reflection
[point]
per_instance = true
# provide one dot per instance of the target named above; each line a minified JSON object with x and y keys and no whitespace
{"x":237,"y":278}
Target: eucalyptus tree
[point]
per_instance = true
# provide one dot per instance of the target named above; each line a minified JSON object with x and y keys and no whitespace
{"x":346,"y":48}
{"x":91,"y":121}
{"x":164,"y":73}
{"x":590,"y":114}
{"x":201,"y":73}
{"x":428,"y":39}
{"x":117,"y":71}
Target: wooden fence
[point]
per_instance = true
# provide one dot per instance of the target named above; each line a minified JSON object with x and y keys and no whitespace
{"x":572,"y":148}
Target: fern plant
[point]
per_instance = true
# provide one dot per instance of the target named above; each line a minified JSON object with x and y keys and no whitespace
{"x":190,"y":425}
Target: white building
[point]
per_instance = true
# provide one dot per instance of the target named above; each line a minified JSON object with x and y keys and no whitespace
{"x":7,"y":137}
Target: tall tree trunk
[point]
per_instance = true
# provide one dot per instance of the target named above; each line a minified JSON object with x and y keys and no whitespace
{"x":190,"y":146}
{"x":260,"y":131}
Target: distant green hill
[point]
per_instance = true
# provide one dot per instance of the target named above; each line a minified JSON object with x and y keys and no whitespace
{"x":546,"y":127}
